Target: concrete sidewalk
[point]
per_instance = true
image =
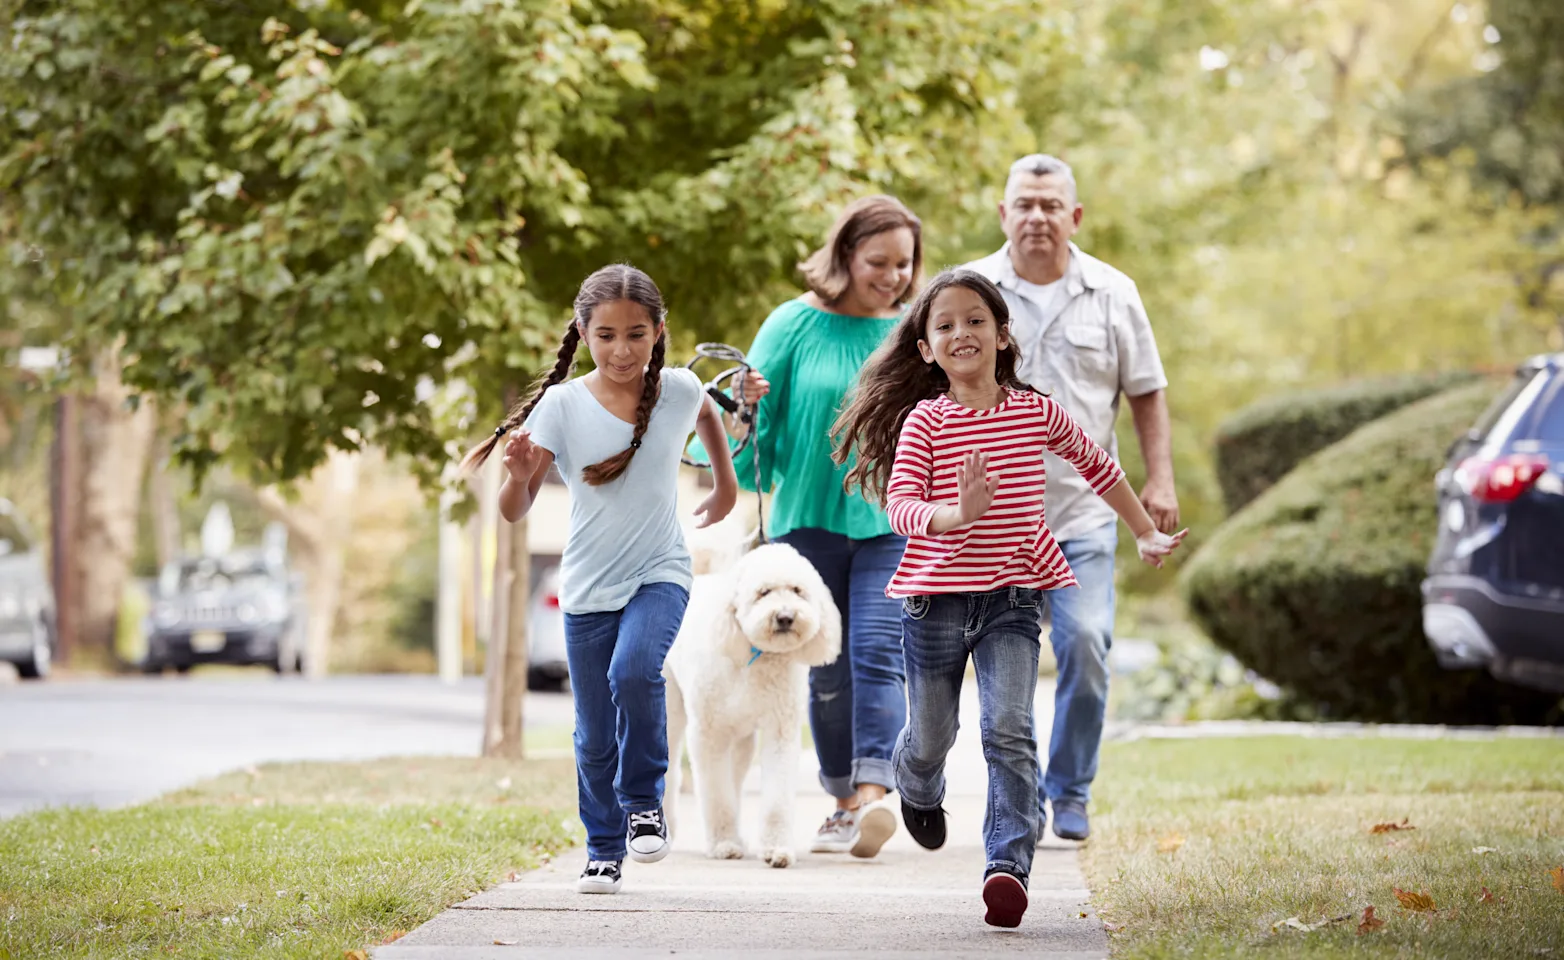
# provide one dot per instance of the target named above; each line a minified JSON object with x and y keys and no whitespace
{"x":906,"y":903}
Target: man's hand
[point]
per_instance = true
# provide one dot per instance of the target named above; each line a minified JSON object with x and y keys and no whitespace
{"x":522,"y":456}
{"x":975,"y":489}
{"x":1161,"y":502}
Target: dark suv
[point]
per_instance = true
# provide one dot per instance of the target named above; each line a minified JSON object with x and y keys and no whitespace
{"x":1494,"y":596}
{"x":242,"y":607}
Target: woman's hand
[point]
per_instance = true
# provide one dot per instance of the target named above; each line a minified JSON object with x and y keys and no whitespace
{"x":755,"y":386}
{"x":1154,"y":545}
{"x":522,"y":456}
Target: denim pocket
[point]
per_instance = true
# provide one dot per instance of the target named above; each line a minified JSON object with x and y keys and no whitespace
{"x":917,"y":607}
{"x":1025,"y":598}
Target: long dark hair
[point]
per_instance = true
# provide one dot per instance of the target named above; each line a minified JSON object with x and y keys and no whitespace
{"x":828,"y":270}
{"x":617,"y":282}
{"x":897,"y":377}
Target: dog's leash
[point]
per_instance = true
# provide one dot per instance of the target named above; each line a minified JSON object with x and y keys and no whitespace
{"x":734,"y":405}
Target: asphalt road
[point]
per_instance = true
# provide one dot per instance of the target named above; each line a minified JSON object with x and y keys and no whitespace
{"x":119,"y":741}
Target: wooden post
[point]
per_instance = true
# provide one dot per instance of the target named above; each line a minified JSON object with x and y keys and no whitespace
{"x":65,"y":506}
{"x":494,"y":656}
{"x":513,"y":689}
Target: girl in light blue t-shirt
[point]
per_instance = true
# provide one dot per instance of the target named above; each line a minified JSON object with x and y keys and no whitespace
{"x":616,"y":435}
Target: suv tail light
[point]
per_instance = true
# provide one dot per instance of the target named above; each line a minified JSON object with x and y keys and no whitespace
{"x":1501,"y":480}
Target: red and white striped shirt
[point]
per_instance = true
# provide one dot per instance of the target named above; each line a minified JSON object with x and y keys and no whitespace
{"x":1009,"y":545}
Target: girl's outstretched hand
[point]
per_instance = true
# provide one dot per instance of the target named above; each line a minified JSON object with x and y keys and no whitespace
{"x":975,"y":489}
{"x":1155,"y":545}
{"x":522,"y":456}
{"x":717,"y":505}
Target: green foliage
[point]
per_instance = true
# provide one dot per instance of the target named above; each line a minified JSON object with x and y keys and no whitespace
{"x":1262,"y":442}
{"x":1315,"y":585}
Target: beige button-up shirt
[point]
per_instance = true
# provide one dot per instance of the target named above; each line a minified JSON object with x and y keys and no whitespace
{"x":1097,"y":348}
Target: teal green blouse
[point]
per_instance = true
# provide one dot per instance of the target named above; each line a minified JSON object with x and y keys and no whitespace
{"x":811,"y":358}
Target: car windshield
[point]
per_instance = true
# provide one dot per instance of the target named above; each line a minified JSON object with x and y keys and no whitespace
{"x":1548,"y":425}
{"x":12,"y":539}
{"x":207,"y":574}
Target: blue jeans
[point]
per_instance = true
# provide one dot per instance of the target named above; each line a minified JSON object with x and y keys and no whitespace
{"x":857,"y":703}
{"x":1082,"y":634}
{"x":616,"y":675}
{"x":1000,"y":630}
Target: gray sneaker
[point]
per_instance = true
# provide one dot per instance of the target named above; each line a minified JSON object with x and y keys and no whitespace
{"x":837,"y":834}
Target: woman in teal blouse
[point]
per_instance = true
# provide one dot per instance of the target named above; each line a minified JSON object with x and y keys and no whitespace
{"x":808,"y":354}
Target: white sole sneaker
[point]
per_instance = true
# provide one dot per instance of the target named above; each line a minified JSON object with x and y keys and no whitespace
{"x":652,"y":856}
{"x":876,"y":824}
{"x":597,"y":885}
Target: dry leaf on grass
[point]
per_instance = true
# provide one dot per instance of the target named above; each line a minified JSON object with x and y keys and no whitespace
{"x":512,"y":876}
{"x":436,"y":822}
{"x":1370,"y":922}
{"x":1489,"y":898}
{"x":1170,"y":843}
{"x":1291,"y":923}
{"x":94,"y":850}
{"x":355,"y":955}
{"x":1419,"y":901}
{"x":1557,"y":873}
{"x":1405,"y":824}
{"x":1112,"y":927}
{"x":393,"y":937}
{"x":1482,"y":850}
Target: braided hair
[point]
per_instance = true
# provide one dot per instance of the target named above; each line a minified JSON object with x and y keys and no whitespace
{"x":619,"y":281}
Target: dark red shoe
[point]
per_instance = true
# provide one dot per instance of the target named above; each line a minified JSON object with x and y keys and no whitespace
{"x":1005,"y":897}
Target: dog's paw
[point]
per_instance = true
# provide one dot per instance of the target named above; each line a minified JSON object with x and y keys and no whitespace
{"x":726,"y":850}
{"x":778,"y":856}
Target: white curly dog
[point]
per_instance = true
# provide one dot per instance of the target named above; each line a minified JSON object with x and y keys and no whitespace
{"x":739,"y":667}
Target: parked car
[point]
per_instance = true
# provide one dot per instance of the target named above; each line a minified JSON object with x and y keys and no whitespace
{"x":243,"y":607}
{"x":546,"y":666}
{"x":1494,"y":597}
{"x":26,"y":599}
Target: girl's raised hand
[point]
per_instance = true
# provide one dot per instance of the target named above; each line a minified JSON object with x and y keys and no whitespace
{"x":1155,"y":545}
{"x":522,"y":456}
{"x":975,"y":489}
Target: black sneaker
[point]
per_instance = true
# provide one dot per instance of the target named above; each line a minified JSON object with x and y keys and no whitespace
{"x":1004,"y":894}
{"x":600,"y":876}
{"x":648,"y":838}
{"x":926,"y":826}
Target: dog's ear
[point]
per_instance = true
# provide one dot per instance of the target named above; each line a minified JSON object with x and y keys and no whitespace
{"x":730,"y":630}
{"x":826,"y":645}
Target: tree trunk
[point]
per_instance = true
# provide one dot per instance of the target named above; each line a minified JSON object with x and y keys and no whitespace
{"x":506,"y":665}
{"x":115,"y":440}
{"x":165,"y":510}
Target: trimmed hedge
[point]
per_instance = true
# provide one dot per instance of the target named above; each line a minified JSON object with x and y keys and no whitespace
{"x":1263,"y":442}
{"x":1315,"y":585}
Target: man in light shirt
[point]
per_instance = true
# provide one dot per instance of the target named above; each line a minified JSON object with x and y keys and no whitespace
{"x":1084,"y":340}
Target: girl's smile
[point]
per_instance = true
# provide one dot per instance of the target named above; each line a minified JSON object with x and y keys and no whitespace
{"x":963,"y":338}
{"x":620,"y":336}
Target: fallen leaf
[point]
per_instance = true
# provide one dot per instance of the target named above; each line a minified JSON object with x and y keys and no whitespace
{"x":1291,"y":923}
{"x":355,"y":955}
{"x":1415,"y":901}
{"x":94,"y":850}
{"x":1557,"y":873}
{"x":1112,"y":927}
{"x":513,"y":876}
{"x":436,"y":822}
{"x":1082,"y":915}
{"x":1482,"y":850}
{"x":1370,"y":922}
{"x":1489,"y":898}
{"x":1388,"y":827}
{"x":506,"y":943}
{"x":1170,"y":843}
{"x":393,"y":937}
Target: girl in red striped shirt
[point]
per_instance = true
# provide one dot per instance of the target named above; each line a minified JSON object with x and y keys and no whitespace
{"x":952,"y":443}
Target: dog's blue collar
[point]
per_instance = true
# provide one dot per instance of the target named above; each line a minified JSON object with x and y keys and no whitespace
{"x":755,"y":653}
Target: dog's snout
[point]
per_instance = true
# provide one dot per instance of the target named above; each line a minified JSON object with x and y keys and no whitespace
{"x":784,"y":619}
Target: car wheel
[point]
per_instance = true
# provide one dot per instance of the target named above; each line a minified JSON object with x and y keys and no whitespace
{"x":544,"y":682}
{"x":40,"y":660}
{"x":183,"y":668}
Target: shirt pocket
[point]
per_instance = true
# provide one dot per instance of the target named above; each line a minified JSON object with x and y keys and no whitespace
{"x":1089,"y":339}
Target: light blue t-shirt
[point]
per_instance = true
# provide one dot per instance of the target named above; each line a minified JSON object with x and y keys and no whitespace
{"x":625,"y":533}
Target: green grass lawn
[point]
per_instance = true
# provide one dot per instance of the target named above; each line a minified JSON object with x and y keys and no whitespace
{"x":1207,"y":848}
{"x":288,"y":860}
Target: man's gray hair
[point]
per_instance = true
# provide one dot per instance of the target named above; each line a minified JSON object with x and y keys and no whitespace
{"x":1042,"y":165}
